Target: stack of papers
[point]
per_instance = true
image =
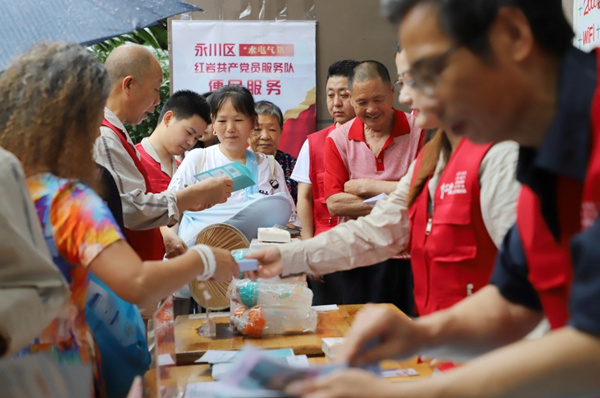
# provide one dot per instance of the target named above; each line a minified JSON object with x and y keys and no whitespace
{"x":255,"y":372}
{"x":223,"y":362}
{"x":220,"y":356}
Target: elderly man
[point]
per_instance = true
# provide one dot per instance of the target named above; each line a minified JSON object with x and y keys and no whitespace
{"x":364,"y":158}
{"x":136,"y":77}
{"x":310,"y":169}
{"x":495,"y":70}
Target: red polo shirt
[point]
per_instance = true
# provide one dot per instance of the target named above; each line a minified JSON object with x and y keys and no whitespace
{"x":348,"y":156}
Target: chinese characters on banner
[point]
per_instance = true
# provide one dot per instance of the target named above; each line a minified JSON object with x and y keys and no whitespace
{"x":276,"y":61}
{"x":586,"y":23}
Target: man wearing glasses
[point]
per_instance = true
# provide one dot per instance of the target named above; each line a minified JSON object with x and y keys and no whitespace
{"x":495,"y":70}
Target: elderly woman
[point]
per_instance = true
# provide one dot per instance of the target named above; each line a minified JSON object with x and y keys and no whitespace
{"x":52,"y":105}
{"x":265,"y":139}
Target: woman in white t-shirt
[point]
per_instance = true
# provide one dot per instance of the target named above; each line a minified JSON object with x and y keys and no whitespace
{"x":234,"y":118}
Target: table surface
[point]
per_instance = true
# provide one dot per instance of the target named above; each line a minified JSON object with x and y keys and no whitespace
{"x":190,"y":345}
{"x":176,"y":378}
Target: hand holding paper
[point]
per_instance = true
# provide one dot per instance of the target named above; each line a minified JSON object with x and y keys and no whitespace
{"x":205,"y":194}
{"x":241,"y":176}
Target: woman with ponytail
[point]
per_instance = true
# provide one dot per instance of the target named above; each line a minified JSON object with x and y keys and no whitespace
{"x":450,"y":211}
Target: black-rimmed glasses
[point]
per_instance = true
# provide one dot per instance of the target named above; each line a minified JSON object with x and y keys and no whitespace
{"x":425,"y":73}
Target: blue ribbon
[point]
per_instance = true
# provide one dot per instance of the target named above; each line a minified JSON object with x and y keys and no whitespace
{"x":252,"y":165}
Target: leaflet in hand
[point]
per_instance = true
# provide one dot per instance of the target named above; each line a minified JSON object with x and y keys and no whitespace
{"x":240,"y":174}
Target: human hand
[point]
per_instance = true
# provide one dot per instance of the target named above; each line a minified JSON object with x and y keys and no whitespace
{"x":396,"y":335}
{"x":174,"y":245}
{"x":214,"y":190}
{"x":205,"y":194}
{"x":200,"y":207}
{"x":269,"y":263}
{"x":358,"y":187}
{"x":344,"y":383}
{"x":227,"y":267}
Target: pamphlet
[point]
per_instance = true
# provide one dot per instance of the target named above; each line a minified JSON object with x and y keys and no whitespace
{"x":240,"y":174}
{"x":372,"y":201}
{"x":255,"y":370}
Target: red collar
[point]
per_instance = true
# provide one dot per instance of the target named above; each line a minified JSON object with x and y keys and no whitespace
{"x":401,"y":127}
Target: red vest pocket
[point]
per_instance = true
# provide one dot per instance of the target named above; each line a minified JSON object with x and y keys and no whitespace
{"x":452,"y":231}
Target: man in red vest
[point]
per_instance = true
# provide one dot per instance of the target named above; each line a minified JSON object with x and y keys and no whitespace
{"x":310,"y":170}
{"x":136,"y":77}
{"x":182,"y":123}
{"x":494,"y":70}
{"x":310,"y":165}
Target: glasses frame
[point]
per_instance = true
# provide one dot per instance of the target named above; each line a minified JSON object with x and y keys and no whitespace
{"x":424,"y":74}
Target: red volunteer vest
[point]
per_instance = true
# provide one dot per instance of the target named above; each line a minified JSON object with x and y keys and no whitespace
{"x":549,"y":262}
{"x":452,"y":253}
{"x":322,"y":219}
{"x":148,"y":244}
{"x":159,"y":180}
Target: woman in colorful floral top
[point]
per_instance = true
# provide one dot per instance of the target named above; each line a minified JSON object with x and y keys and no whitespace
{"x":53,"y":100}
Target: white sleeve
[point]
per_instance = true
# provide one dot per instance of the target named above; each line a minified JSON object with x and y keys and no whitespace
{"x":184,"y":176}
{"x":499,"y":189}
{"x":301,"y":172}
{"x":367,"y":240}
{"x":141,"y":210}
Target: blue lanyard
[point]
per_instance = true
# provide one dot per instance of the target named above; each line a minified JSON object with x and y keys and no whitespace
{"x":252,"y":165}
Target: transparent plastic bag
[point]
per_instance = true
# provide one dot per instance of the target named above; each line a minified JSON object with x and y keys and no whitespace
{"x":271,"y":307}
{"x":270,"y":293}
{"x":261,"y":321}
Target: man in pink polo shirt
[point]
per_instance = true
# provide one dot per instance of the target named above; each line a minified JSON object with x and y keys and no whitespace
{"x":366,"y":157}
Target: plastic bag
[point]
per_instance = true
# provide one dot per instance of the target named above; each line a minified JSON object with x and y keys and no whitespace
{"x":119,"y":331}
{"x":271,"y":307}
{"x":270,"y":293}
{"x":259,"y":321}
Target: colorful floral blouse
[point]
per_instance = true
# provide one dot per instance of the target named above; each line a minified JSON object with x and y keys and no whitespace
{"x":77,"y":226}
{"x":287,"y":163}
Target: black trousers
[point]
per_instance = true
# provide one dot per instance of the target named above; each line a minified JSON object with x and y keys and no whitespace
{"x":387,"y":282}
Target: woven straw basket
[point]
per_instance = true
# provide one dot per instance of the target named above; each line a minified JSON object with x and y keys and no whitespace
{"x":226,"y":237}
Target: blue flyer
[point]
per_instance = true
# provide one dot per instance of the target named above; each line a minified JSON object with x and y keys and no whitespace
{"x":240,"y":174}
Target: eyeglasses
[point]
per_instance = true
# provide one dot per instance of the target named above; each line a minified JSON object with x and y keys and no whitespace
{"x":424,"y":75}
